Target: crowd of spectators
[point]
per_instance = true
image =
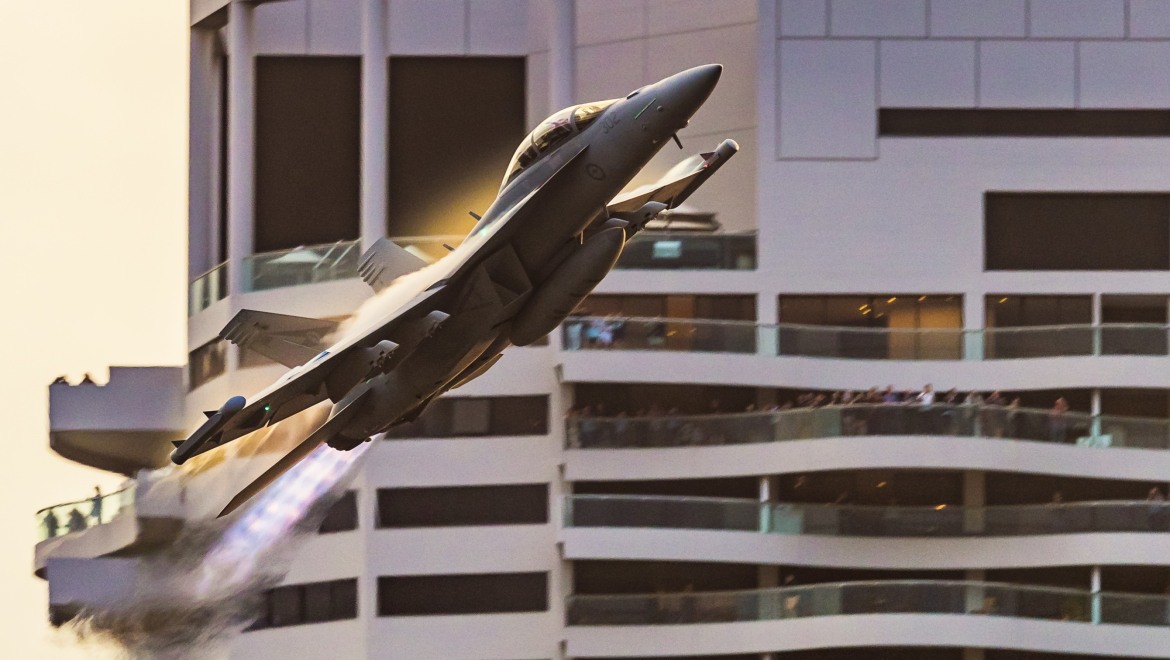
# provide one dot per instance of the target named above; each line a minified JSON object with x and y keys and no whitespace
{"x":828,"y":414}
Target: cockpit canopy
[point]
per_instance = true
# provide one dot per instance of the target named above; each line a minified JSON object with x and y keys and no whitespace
{"x":552,"y":132}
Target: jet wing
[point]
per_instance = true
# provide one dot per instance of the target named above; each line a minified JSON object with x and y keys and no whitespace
{"x":678,"y":184}
{"x":302,"y":387}
{"x":289,"y":340}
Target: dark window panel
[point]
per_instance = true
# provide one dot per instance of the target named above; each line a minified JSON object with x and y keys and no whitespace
{"x":286,"y":606}
{"x":463,"y":506}
{"x":342,"y":516}
{"x":997,"y":122}
{"x":453,"y":417}
{"x":453,"y":124}
{"x":313,"y":602}
{"x":206,"y":362}
{"x":519,"y":415}
{"x":462,"y":594}
{"x":1077,"y":231}
{"x":308,"y":140}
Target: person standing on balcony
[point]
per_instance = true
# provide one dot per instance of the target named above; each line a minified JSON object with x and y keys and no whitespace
{"x":1058,"y":421}
{"x":51,"y":524}
{"x":76,"y":521}
{"x":95,"y":510}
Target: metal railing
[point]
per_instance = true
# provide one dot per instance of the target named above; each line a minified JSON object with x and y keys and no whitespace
{"x":689,"y":251}
{"x":62,"y":519}
{"x":207,"y":289}
{"x":981,"y":421}
{"x":852,"y":343}
{"x":877,"y":597}
{"x":943,"y":521}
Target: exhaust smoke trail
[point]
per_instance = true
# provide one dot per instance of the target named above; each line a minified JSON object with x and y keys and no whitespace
{"x":192,"y":597}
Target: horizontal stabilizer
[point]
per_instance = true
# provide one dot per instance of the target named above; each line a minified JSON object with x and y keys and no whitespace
{"x":289,"y":340}
{"x":385,"y":262}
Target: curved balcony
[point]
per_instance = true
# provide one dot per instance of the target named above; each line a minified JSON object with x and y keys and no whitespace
{"x":61,"y":519}
{"x":660,"y":528}
{"x":823,"y":357}
{"x":885,"y":613}
{"x":841,"y":438}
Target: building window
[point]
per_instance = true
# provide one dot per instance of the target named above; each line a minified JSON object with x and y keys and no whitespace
{"x":525,"y":504}
{"x":206,"y":362}
{"x":456,"y":417}
{"x":1077,"y":231}
{"x":308,"y":146}
{"x":462,"y":594}
{"x":449,"y":142}
{"x":893,"y":326}
{"x":315,"y":602}
{"x":1003,"y":122}
{"x":1061,"y":326}
{"x":342,"y":516}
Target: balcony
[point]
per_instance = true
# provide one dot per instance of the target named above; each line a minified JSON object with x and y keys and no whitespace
{"x":125,"y":523}
{"x":302,"y":265}
{"x":885,"y":613}
{"x":943,"y":521}
{"x":207,"y":289}
{"x":61,"y":519}
{"x":988,"y":422}
{"x":854,"y":343}
{"x":123,"y":426}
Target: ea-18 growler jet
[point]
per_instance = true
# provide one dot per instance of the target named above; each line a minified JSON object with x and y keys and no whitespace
{"x":555,"y":229}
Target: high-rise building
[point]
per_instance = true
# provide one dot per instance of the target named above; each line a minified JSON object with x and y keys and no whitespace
{"x":966,"y":202}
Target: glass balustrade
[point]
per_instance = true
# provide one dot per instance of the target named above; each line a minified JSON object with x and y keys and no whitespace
{"x":207,"y":289}
{"x":996,"y":422}
{"x":689,"y":251}
{"x":878,"y":597}
{"x":689,"y":335}
{"x":862,"y":343}
{"x":674,"y":512}
{"x":303,"y":265}
{"x":76,"y":516}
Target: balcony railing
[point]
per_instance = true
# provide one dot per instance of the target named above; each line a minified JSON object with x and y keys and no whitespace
{"x":689,"y":251}
{"x":879,"y":597}
{"x":207,"y":289}
{"x":795,"y":340}
{"x":76,"y":516}
{"x":943,"y":521}
{"x":302,"y":265}
{"x":996,"y":422}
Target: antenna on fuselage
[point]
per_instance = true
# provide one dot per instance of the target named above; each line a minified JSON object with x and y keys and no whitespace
{"x":475,"y":215}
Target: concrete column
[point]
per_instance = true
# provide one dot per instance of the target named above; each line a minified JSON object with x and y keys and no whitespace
{"x":562,"y":55}
{"x":1097,"y":314}
{"x":974,"y":499}
{"x":768,"y":486}
{"x":974,"y":321}
{"x":202,"y":137}
{"x":975,"y":592}
{"x":1095,"y":411}
{"x":767,"y":314}
{"x":1095,"y":588}
{"x":374,"y":122}
{"x":241,"y":142}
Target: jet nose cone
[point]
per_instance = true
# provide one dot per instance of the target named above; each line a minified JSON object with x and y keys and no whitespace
{"x":690,"y":88}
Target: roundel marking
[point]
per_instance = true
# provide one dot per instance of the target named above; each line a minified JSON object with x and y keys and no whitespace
{"x":595,"y":172}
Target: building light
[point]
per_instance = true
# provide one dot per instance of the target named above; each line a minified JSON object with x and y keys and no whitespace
{"x":921,"y":298}
{"x":892,"y":299}
{"x":1003,"y":300}
{"x":940,"y":507}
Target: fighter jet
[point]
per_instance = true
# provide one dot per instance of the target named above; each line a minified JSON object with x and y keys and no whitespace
{"x":556,"y":228}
